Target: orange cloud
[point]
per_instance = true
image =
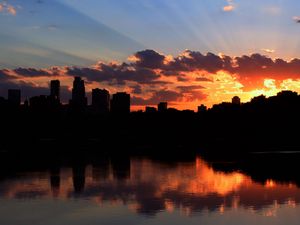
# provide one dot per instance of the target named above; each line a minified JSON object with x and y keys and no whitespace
{"x":267,"y":50}
{"x":11,"y":10}
{"x":230,"y":7}
{"x":4,"y":7}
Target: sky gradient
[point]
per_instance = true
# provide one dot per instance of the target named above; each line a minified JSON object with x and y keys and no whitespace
{"x":202,"y":51}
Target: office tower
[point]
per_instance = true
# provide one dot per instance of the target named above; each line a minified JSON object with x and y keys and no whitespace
{"x":79,"y":100}
{"x":236,"y":100}
{"x":202,"y":108}
{"x":100,"y":100}
{"x":14,"y":97}
{"x":120,"y":103}
{"x":55,"y":90}
{"x":162,"y":107}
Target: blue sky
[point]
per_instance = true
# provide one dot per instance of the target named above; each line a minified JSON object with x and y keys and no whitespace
{"x":80,"y":32}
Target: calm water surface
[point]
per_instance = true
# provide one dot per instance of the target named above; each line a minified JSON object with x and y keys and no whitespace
{"x":144,"y":191}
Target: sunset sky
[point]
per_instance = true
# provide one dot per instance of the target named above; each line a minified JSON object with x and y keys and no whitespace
{"x":186,"y":52}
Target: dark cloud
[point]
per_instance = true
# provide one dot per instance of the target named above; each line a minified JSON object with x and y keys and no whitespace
{"x":193,"y":60}
{"x":249,"y":69}
{"x":118,"y":73}
{"x":192,"y":92}
{"x":296,"y":19}
{"x":158,"y":96}
{"x":203,"y":79}
{"x":257,"y":65}
{"x":253,"y":63}
{"x":28,"y":89}
{"x":136,"y":89}
{"x":142,"y":71}
{"x":171,"y":73}
{"x":252,"y":70}
{"x":189,"y":88}
{"x":182,"y":79}
{"x":149,"y":59}
{"x":31,"y":72}
{"x":3,"y":75}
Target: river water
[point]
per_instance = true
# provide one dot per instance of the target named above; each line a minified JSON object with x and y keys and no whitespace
{"x":145,"y":191}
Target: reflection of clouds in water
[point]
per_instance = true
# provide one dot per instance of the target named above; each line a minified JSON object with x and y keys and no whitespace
{"x":149,"y":187}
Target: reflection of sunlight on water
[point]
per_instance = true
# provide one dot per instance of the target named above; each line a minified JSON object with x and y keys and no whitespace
{"x":192,"y":178}
{"x":292,"y":203}
{"x":222,"y":209}
{"x":169,"y":206}
{"x":270,"y":184}
{"x":209,"y":181}
{"x":235,"y":202}
{"x":134,"y":206}
{"x":152,"y":186}
{"x":271,"y":212}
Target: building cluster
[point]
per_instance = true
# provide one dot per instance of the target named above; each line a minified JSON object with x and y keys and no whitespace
{"x":102,"y":102}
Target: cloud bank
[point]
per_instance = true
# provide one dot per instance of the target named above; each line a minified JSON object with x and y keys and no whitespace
{"x":186,"y":79}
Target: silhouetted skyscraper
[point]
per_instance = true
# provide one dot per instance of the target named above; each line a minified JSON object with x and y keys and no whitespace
{"x":55,"y":90}
{"x":14,"y":97}
{"x":202,"y":108}
{"x":100,"y":100}
{"x":236,"y":100}
{"x":120,"y":103}
{"x":162,"y":107}
{"x":79,"y":100}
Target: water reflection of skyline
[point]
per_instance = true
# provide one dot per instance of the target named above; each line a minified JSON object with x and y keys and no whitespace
{"x":149,"y":187}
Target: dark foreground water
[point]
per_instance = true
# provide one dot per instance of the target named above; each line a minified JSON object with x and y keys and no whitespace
{"x":144,"y":191}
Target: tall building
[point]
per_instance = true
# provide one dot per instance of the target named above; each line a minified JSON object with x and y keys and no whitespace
{"x":202,"y":108}
{"x":14,"y":97}
{"x":236,"y":100}
{"x":100,"y":100}
{"x":79,"y":99}
{"x":120,"y":103}
{"x":162,"y":107}
{"x":55,"y":90}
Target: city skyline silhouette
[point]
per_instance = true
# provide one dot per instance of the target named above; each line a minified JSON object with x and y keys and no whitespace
{"x":101,"y":100}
